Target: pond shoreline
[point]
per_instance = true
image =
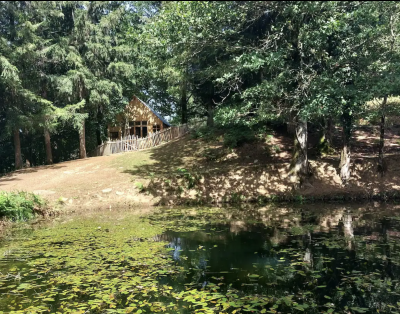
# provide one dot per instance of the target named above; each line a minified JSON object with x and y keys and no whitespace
{"x":285,"y":198}
{"x":51,"y":211}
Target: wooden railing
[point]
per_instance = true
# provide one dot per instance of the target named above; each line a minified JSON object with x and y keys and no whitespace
{"x":132,"y":143}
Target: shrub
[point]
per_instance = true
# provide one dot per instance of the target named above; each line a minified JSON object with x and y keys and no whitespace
{"x":234,"y":135}
{"x":139,"y":186}
{"x":238,"y":135}
{"x":19,"y":206}
{"x":205,"y":133}
{"x":192,"y":179}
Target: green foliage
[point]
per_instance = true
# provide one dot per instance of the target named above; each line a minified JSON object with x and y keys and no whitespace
{"x":140,"y":186}
{"x":239,"y":63}
{"x":192,"y":179}
{"x":323,"y":147}
{"x":235,"y":136}
{"x":374,"y":110}
{"x":205,"y":133}
{"x":118,"y":262}
{"x":55,"y":80}
{"x":19,"y":206}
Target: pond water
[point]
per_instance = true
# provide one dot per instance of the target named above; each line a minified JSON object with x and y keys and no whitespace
{"x":325,"y":258}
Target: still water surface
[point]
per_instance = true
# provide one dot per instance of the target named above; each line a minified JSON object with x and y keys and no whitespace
{"x":306,"y":259}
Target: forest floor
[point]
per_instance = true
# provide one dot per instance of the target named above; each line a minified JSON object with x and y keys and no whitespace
{"x":211,"y":173}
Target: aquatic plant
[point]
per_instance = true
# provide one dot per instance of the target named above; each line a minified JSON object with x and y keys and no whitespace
{"x":202,"y":260}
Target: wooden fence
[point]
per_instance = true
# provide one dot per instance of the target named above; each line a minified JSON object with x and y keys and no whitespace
{"x":132,"y":143}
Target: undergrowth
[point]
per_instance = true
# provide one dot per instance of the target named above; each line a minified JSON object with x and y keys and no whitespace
{"x":232,"y":135}
{"x":19,"y":206}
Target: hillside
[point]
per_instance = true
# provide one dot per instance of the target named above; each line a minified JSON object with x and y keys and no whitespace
{"x":194,"y":170}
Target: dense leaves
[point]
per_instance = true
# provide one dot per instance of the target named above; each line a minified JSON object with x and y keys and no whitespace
{"x":19,"y":206}
{"x":68,"y":68}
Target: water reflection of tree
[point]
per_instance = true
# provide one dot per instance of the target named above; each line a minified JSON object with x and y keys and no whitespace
{"x":355,"y":266}
{"x":386,"y":247}
{"x":347,"y":231}
{"x":308,"y":258}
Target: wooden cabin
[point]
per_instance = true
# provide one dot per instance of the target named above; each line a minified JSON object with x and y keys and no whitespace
{"x":138,"y":119}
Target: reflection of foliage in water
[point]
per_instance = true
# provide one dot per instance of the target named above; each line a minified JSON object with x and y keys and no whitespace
{"x":288,"y":264}
{"x":312,"y":271}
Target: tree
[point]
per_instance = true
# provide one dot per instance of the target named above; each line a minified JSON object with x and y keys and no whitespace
{"x":18,"y":55}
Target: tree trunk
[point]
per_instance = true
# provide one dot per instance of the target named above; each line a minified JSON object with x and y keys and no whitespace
{"x":291,"y":125}
{"x":345,"y":163}
{"x":324,"y":145}
{"x":82,"y":145}
{"x":184,"y":103}
{"x":345,"y":154}
{"x":300,"y":157}
{"x":210,"y":114}
{"x":31,"y":148}
{"x":381,"y":162}
{"x":99,"y":126}
{"x":17,"y":148}
{"x":47,"y":141}
{"x":329,"y":130}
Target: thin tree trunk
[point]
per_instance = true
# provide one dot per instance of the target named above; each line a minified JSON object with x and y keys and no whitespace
{"x":17,"y":148}
{"x":99,"y":126}
{"x":98,"y":136}
{"x":184,"y":102}
{"x":291,"y":125}
{"x":300,"y":157}
{"x":31,"y":155}
{"x":49,"y":154}
{"x":324,"y":145}
{"x":82,"y":144}
{"x":329,"y":130}
{"x":210,"y":113}
{"x":345,"y":154}
{"x":345,"y":162}
{"x":381,"y":161}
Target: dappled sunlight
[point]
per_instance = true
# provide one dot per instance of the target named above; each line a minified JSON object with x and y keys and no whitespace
{"x":366,"y":141}
{"x":209,"y":173}
{"x":216,"y":174}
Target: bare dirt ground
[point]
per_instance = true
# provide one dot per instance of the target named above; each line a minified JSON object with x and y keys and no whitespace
{"x":257,"y":169}
{"x":79,"y":184}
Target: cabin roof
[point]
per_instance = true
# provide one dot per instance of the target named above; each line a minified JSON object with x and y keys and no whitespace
{"x":153,"y":111}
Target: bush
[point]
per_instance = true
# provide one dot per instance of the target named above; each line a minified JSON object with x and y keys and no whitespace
{"x":192,"y":179}
{"x":234,"y":134}
{"x":238,"y":135}
{"x":140,"y":186}
{"x":19,"y":206}
{"x":205,"y":133}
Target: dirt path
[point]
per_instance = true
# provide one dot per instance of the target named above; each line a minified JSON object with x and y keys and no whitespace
{"x":88,"y":183}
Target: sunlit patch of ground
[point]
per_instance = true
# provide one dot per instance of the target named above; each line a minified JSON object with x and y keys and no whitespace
{"x":219,"y":174}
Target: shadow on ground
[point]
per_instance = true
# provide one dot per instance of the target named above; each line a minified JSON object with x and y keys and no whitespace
{"x":15,"y":175}
{"x":217,"y":174}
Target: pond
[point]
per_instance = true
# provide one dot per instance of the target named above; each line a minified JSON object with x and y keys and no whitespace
{"x":318,"y":258}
